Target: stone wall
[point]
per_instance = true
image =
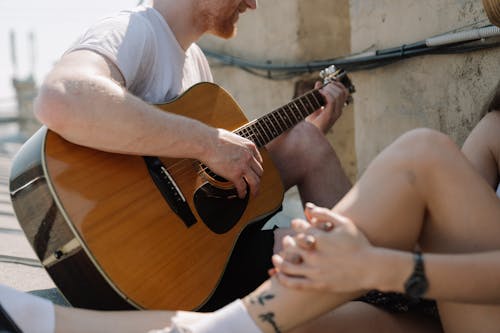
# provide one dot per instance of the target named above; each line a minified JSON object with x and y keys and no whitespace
{"x":445,"y":92}
{"x":286,"y":32}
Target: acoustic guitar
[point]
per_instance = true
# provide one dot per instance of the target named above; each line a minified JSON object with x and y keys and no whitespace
{"x":118,"y":231}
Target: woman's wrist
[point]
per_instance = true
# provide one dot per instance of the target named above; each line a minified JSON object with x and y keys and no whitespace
{"x":390,"y":269}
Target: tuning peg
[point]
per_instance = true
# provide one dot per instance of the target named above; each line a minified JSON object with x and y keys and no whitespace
{"x":328,"y":71}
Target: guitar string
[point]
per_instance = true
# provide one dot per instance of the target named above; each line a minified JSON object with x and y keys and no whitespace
{"x":182,"y":167}
{"x":185,"y":166}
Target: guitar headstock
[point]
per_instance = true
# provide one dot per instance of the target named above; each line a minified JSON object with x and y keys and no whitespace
{"x":332,"y":73}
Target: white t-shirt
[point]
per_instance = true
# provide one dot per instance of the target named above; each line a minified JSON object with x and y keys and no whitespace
{"x":143,"y":47}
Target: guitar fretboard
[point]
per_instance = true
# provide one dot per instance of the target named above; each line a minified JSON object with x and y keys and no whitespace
{"x":266,"y":128}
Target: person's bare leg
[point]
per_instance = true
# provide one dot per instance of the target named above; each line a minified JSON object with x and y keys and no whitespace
{"x":463,"y":210}
{"x":72,"y":320}
{"x":423,"y":173}
{"x":482,"y":148}
{"x":305,"y":158}
{"x":359,"y":317}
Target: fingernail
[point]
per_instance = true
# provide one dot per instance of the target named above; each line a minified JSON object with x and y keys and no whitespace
{"x":277,"y":259}
{"x":310,"y":242}
{"x":310,"y":205}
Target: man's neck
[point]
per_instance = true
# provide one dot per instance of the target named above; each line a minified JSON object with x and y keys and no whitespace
{"x":181,"y":18}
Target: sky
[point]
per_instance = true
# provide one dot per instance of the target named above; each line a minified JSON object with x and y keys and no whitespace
{"x":55,"y":25}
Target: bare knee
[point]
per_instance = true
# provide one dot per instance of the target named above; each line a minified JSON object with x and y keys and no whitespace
{"x":312,"y":145}
{"x":426,"y":140}
{"x":302,"y":149}
{"x":302,"y":152}
{"x":427,"y":149}
{"x":306,"y":141}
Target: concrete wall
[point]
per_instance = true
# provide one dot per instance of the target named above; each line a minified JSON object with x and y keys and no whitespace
{"x":287,"y":32}
{"x":445,"y":92}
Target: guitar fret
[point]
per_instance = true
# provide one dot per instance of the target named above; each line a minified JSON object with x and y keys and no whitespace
{"x":286,"y":121}
{"x":315,"y":96}
{"x":249,"y":134}
{"x":257,"y":138}
{"x":292,"y":107}
{"x":278,"y":122}
{"x":299,"y":110}
{"x":262,"y":130}
{"x":304,"y":107}
{"x":302,"y":112}
{"x":292,"y":113}
{"x":269,"y":126}
{"x":309,"y":105}
{"x":243,"y":132}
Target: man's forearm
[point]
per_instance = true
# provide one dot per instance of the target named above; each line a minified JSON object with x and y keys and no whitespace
{"x":98,"y":113}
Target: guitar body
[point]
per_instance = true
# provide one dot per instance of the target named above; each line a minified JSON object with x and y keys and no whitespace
{"x":107,"y":234}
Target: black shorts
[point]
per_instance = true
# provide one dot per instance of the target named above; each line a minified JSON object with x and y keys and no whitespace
{"x":399,"y":303}
{"x":247,"y":267}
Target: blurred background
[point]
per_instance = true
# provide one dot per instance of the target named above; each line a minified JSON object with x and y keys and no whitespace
{"x":33,"y":35}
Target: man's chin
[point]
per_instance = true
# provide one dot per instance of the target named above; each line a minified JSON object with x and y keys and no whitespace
{"x":225,"y":33}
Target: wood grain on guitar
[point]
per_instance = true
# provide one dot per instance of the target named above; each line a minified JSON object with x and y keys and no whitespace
{"x":147,"y":232}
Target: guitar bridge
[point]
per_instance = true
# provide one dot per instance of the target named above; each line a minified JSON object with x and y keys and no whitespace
{"x":169,"y":190}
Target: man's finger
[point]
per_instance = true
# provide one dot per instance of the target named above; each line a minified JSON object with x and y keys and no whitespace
{"x":241,"y":187}
{"x":253,"y":181}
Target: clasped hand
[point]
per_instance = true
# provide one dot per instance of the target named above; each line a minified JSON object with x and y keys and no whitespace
{"x":327,"y":253}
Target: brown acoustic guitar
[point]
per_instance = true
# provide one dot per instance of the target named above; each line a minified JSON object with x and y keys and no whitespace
{"x":118,"y":231}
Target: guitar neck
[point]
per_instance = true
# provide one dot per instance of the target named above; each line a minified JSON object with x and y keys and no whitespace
{"x":268,"y":127}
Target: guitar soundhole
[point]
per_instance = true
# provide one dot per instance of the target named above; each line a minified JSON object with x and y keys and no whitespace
{"x":220,"y":209}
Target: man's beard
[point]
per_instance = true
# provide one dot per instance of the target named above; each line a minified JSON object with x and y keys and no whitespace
{"x":224,"y":29}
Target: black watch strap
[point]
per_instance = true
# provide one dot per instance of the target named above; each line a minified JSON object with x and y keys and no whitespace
{"x":417,"y":283}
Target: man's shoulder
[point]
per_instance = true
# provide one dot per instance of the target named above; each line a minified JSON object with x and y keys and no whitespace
{"x":137,"y":18}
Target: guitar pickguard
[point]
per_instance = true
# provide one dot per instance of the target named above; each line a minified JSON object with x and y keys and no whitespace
{"x":220,"y":209}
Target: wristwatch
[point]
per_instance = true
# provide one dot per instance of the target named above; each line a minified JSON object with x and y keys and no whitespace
{"x":417,"y":283}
